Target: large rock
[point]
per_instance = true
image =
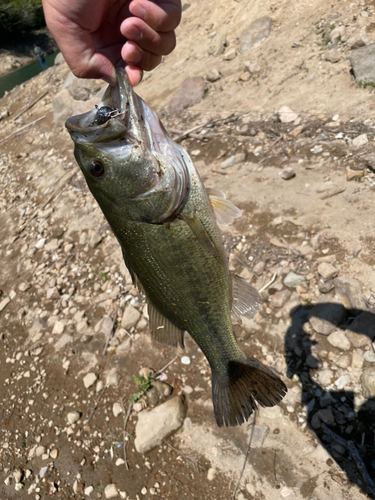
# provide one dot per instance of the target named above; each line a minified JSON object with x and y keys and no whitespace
{"x":190,"y":92}
{"x":64,"y":106}
{"x":339,"y":339}
{"x":82,"y":89}
{"x":130,"y":317}
{"x":326,"y":315}
{"x":155,"y":425}
{"x":363,"y":64}
{"x":368,"y":382}
{"x":361,"y":330}
{"x":255,"y":33}
{"x":349,"y":292}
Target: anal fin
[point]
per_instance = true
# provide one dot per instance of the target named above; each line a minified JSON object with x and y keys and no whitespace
{"x":162,"y":329}
{"x":246,"y":299}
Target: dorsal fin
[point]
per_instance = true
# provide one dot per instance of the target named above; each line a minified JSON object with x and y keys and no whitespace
{"x":162,"y":329}
{"x":224,"y":210}
{"x":246,"y":299}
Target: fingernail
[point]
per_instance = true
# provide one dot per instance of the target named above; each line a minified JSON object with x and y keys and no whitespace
{"x":138,"y":11}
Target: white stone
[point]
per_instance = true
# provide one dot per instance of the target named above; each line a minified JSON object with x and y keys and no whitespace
{"x":99,"y":386}
{"x":325,"y":377}
{"x":111,"y":491}
{"x":211,"y":473}
{"x":116,"y":409}
{"x":58,"y":328}
{"x":340,"y":340}
{"x":54,"y":453}
{"x":360,"y":140}
{"x":120,"y":461}
{"x":287,"y":115}
{"x":155,"y":425}
{"x":369,"y":356}
{"x":4,"y":303}
{"x":89,"y":490}
{"x":341,"y":382}
{"x":39,"y":451}
{"x":130,"y":317}
{"x":23,"y":287}
{"x":113,"y":379}
{"x":327,"y":271}
{"x":185,"y":360}
{"x":73,"y":417}
{"x":40,"y":243}
{"x":89,"y":380}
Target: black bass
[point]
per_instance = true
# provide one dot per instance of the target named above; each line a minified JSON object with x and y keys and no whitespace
{"x":164,"y":219}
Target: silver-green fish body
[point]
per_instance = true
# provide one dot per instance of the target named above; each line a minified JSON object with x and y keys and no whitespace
{"x":163,"y":218}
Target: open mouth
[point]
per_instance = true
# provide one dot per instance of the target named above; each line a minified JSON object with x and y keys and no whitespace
{"x":111,"y":119}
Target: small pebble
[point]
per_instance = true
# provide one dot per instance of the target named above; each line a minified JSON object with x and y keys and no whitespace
{"x":111,"y":491}
{"x":211,"y":474}
{"x":116,"y":409}
{"x":89,"y":490}
{"x":73,"y":417}
{"x":89,"y":380}
{"x":185,"y":360}
{"x":113,"y":380}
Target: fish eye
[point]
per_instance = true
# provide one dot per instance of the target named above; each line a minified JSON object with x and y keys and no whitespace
{"x":96,"y":169}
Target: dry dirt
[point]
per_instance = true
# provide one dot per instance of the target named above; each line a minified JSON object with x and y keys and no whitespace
{"x":289,"y":225}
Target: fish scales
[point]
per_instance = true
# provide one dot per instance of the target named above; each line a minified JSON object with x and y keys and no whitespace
{"x":164,"y":220}
{"x":177,"y":265}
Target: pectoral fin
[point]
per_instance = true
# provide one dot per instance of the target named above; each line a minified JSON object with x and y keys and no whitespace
{"x":193,"y":221}
{"x":162,"y":329}
{"x":246,"y":299}
{"x":224,"y":210}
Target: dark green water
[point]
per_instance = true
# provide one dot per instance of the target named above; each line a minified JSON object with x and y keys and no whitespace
{"x":9,"y":81}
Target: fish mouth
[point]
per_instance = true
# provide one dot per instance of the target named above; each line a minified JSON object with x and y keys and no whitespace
{"x":116,"y":115}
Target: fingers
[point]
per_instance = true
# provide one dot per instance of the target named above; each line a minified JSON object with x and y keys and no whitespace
{"x":135,"y":75}
{"x":134,"y":55}
{"x":77,"y":46}
{"x":146,"y":38}
{"x":160,"y":15}
{"x":150,"y":32}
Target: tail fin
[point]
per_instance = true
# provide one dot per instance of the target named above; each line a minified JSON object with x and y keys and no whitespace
{"x":236,"y":393}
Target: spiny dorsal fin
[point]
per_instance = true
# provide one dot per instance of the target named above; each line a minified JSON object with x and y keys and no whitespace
{"x":162,"y":329}
{"x":246,"y":299}
{"x":224,"y":210}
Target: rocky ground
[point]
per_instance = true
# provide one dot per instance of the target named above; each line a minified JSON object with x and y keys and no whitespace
{"x":297,"y":158}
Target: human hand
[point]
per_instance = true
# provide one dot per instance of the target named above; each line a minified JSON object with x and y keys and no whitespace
{"x":95,"y":36}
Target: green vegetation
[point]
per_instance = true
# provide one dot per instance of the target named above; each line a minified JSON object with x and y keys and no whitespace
{"x":143,"y":385}
{"x":20,"y":16}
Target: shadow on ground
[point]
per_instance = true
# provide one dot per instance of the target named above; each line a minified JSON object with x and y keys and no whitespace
{"x":347,"y":434}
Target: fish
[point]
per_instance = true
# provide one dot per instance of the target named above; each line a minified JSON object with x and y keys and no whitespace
{"x":166,"y":223}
